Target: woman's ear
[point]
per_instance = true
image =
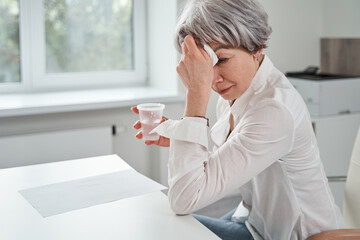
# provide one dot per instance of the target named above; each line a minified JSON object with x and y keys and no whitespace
{"x":257,"y":55}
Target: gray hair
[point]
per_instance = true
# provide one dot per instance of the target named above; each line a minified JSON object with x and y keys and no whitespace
{"x":233,"y":23}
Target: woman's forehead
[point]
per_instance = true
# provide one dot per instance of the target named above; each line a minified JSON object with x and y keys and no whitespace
{"x":218,"y":46}
{"x":221,"y":47}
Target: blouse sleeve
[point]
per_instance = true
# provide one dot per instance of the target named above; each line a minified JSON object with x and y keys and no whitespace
{"x":198,"y":177}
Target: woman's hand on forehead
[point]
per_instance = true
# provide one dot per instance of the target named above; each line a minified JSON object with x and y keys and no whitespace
{"x":196,"y":72}
{"x":190,"y":47}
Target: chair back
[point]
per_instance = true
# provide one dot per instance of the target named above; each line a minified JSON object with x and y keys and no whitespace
{"x":351,"y":207}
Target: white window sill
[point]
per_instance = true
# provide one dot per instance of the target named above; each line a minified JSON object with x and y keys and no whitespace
{"x":54,"y":102}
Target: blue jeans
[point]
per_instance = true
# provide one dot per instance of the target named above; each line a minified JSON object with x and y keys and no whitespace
{"x":224,"y":227}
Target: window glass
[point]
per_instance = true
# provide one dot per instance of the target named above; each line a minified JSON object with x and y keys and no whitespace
{"x":88,"y":35}
{"x":9,"y":41}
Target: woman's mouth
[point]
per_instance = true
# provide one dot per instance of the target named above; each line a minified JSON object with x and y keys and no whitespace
{"x":224,"y":91}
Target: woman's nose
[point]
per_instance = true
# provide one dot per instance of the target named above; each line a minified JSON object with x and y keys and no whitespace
{"x":217,"y":76}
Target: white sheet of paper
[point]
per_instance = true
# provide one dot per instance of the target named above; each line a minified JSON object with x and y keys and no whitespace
{"x":63,"y":197}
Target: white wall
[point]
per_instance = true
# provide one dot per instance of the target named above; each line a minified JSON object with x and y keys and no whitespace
{"x":162,"y":56}
{"x":341,"y":18}
{"x":297,"y":27}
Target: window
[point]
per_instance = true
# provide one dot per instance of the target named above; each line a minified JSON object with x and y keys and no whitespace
{"x":78,"y":32}
{"x":72,"y":43}
{"x":9,"y":42}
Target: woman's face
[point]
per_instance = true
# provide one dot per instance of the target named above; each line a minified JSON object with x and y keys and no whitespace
{"x":234,"y":71}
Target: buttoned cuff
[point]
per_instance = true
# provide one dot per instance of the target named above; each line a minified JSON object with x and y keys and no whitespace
{"x":189,"y":129}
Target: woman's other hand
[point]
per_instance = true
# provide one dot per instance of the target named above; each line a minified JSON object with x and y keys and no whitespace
{"x":162,"y":141}
{"x":196,"y":72}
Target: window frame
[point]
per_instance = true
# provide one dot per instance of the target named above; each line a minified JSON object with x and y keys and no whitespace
{"x":33,"y":58}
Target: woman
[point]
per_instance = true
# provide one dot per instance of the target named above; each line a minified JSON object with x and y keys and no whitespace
{"x":263,"y":138}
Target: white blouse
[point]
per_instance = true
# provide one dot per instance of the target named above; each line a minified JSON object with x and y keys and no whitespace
{"x":271,"y":155}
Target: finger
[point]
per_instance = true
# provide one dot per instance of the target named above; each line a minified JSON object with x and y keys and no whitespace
{"x":137,"y":125}
{"x":206,"y":55}
{"x":191,"y":44}
{"x":184,"y":49}
{"x":164,"y":142}
{"x":182,"y":70}
{"x":139,"y":135}
{"x":163,"y":119}
{"x":147,"y":142}
{"x":135,"y":110}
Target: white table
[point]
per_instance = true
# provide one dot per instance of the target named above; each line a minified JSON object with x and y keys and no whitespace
{"x":143,"y":217}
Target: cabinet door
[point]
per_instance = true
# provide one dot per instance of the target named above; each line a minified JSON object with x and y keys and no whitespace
{"x":338,"y":191}
{"x":20,"y":150}
{"x":336,"y":137}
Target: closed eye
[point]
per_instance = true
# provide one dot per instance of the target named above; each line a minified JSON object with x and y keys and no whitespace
{"x":222,"y":60}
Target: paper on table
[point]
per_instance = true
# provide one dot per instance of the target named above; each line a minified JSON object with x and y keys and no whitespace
{"x":63,"y":197}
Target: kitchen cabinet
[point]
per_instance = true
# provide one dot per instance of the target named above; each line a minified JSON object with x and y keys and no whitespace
{"x":52,"y":146}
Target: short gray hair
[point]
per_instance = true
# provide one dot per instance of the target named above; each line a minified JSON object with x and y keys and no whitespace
{"x":233,"y":23}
